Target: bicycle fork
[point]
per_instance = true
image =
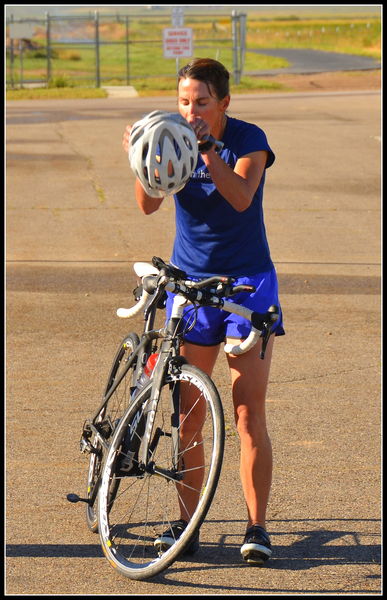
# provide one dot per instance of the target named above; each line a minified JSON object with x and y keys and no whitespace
{"x":147,"y":450}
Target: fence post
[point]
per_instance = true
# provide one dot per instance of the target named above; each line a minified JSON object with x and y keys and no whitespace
{"x":48,"y":47}
{"x":97,"y":65}
{"x":242,"y":41}
{"x":12,"y":55}
{"x":127,"y":51}
{"x":235,"y":46}
{"x":21,"y":49}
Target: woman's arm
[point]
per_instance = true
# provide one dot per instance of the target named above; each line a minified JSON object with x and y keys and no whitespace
{"x":237,"y":185}
{"x":147,"y":204}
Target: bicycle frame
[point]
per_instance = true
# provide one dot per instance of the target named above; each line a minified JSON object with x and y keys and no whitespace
{"x":169,"y":349}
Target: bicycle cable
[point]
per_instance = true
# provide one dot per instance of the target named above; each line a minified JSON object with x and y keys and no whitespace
{"x":190,"y":322}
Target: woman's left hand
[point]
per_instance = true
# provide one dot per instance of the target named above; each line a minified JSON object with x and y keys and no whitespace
{"x":200,"y":127}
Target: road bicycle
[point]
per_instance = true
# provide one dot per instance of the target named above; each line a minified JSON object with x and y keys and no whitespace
{"x":156,"y":442}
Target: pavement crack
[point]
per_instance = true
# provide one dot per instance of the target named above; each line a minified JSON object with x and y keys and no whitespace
{"x":96,"y":184}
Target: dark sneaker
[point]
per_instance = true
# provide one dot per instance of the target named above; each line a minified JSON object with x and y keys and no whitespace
{"x":169,"y":537}
{"x":256,"y":547}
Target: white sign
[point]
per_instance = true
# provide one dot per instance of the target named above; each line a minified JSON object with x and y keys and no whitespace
{"x":20,"y":31}
{"x":177,"y":42}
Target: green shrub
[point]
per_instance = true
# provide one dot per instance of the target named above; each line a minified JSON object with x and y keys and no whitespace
{"x":59,"y":81}
{"x":69,"y":55}
{"x":41,"y":53}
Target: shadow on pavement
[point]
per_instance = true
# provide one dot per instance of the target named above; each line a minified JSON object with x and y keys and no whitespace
{"x":315,"y":547}
{"x":67,"y":278}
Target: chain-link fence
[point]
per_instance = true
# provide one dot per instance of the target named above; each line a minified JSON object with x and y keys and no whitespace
{"x":99,"y":49}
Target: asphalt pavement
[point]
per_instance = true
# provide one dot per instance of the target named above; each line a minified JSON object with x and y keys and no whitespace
{"x":306,"y":61}
{"x":72,"y":233}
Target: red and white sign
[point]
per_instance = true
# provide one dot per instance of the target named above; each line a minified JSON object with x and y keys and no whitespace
{"x":177,"y":41}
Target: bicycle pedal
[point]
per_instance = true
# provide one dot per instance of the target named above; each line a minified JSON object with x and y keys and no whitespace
{"x":74,"y":498}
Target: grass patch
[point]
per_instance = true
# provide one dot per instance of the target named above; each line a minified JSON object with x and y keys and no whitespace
{"x":167,"y":87}
{"x":55,"y":93}
{"x":146,"y":87}
{"x":254,"y":84}
{"x":360,"y":36}
{"x":142,"y":60}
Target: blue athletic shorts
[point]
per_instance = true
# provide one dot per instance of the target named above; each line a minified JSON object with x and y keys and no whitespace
{"x":213,"y":325}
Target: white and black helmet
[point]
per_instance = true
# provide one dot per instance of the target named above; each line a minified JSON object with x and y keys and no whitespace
{"x":163,"y":152}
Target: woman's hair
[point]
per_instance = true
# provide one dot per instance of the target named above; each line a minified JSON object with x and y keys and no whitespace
{"x":212,"y":72}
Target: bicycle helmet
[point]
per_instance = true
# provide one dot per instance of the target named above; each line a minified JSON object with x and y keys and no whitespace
{"x":163,"y":152}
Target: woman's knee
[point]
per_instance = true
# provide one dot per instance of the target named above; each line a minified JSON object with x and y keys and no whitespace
{"x":250,"y":424}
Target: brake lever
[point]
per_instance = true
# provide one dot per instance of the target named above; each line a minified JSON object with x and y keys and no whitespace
{"x":242,"y":288}
{"x":272,"y":317}
{"x":265,"y":339}
{"x":167,"y":269}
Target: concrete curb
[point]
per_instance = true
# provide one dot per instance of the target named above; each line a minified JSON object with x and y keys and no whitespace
{"x":115,"y":91}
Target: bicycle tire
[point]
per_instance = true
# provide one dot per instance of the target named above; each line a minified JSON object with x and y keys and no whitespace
{"x":110,"y":414}
{"x":148,"y":502}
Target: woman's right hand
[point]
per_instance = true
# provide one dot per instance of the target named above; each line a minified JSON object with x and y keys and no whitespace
{"x":125,"y":138}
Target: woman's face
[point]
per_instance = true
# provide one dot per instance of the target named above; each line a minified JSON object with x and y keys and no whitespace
{"x":196,"y":103}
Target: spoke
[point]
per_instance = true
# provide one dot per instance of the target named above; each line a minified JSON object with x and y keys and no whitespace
{"x":128,"y":513}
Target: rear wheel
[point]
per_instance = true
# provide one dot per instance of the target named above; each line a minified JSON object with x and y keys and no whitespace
{"x":178,"y":480}
{"x":110,"y":415}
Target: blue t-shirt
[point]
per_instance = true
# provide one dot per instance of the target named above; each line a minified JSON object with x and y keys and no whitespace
{"x":212,"y":238}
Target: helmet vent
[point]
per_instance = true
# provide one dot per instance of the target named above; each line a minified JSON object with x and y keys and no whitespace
{"x":187,"y":143}
{"x":145,"y":151}
{"x":171,"y":170}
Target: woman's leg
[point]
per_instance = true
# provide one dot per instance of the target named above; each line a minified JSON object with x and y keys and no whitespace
{"x":203,"y":357}
{"x":249,"y":376}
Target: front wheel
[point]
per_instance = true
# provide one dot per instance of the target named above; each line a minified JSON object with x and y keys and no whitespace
{"x":178,"y":480}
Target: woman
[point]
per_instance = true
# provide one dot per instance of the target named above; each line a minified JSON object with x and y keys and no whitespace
{"x":220,"y":230}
